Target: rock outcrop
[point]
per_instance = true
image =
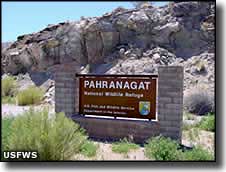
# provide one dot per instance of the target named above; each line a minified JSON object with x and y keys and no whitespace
{"x":5,"y":45}
{"x":185,"y":29}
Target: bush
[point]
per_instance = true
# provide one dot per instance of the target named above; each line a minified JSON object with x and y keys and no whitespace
{"x":197,"y":154}
{"x":123,"y":146}
{"x":9,"y":100}
{"x":199,"y":102}
{"x":8,"y":86}
{"x":31,"y":95}
{"x":162,"y":148}
{"x":89,"y":149}
{"x":55,"y":137}
{"x":6,"y":131}
{"x":207,"y":123}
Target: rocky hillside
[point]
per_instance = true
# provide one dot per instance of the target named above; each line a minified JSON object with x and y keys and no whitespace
{"x":126,"y":41}
{"x":5,"y":45}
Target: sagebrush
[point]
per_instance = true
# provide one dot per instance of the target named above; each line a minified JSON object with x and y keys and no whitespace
{"x":29,"y":96}
{"x":199,"y":101}
{"x":162,"y":148}
{"x":166,"y":149}
{"x":89,"y":149}
{"x":9,"y":86}
{"x":55,"y":136}
{"x":197,"y":154}
{"x":207,"y":123}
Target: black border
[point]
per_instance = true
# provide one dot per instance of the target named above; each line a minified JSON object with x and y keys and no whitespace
{"x":218,"y":114}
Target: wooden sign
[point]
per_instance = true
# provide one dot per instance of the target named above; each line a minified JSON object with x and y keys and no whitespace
{"x":130,"y":96}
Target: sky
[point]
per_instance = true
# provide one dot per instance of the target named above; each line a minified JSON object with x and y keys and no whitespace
{"x":20,"y":18}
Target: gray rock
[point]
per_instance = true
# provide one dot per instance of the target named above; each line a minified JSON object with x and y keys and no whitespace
{"x":155,"y":35}
{"x":121,"y":52}
{"x":156,"y":58}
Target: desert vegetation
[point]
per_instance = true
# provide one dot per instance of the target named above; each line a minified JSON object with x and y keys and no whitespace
{"x":46,"y":133}
{"x":89,"y":149}
{"x":165,"y":149}
{"x":54,"y":136}
{"x":207,"y":123}
{"x":161,"y":148}
{"x":199,"y":102}
{"x":197,"y":154}
{"x":9,"y":89}
{"x":124,"y":146}
{"x":12,"y":95}
{"x":198,"y":132}
{"x":6,"y":131}
{"x":8,"y":86}
{"x":29,"y":96}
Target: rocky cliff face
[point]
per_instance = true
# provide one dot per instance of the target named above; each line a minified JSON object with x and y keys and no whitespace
{"x":5,"y":45}
{"x":185,"y":29}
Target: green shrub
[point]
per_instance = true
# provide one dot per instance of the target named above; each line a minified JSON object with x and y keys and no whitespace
{"x":9,"y":86}
{"x":124,"y":146}
{"x":9,"y":100}
{"x":6,"y":131}
{"x":54,"y":136}
{"x":31,"y":95}
{"x":89,"y":149}
{"x":207,"y":123}
{"x":162,"y":148}
{"x":197,"y":154}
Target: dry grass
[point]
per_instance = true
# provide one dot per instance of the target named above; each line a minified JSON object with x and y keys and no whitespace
{"x":188,"y":116}
{"x":9,"y":86}
{"x":29,"y":96}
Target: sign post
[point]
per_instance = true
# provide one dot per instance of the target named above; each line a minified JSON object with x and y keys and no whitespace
{"x":130,"y":96}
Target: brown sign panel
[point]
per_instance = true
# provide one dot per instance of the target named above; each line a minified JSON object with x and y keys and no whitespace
{"x":127,"y":96}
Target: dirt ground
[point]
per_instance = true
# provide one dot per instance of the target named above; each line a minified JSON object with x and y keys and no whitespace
{"x":204,"y":138}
